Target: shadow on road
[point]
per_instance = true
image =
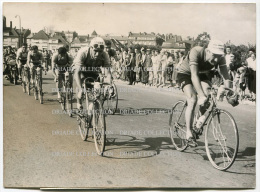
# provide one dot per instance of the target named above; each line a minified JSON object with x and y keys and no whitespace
{"x":130,"y":147}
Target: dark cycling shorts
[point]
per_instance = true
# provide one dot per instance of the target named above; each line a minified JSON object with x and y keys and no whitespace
{"x":185,"y":79}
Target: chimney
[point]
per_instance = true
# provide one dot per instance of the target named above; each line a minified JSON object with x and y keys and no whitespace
{"x":11,"y":24}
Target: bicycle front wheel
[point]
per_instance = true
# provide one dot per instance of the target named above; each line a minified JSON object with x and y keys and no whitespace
{"x":178,"y":126}
{"x":99,"y":127}
{"x":221,"y":139}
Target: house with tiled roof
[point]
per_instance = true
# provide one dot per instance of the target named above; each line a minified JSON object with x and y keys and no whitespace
{"x":80,"y":41}
{"x":57,"y":41}
{"x":10,"y":35}
{"x":94,"y":34}
{"x":41,"y":39}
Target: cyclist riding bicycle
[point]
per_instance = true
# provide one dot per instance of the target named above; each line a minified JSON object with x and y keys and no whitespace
{"x":21,"y":59}
{"x":90,"y":62}
{"x":34,"y":60}
{"x":193,"y":75}
{"x":9,"y":55}
{"x":61,"y":62}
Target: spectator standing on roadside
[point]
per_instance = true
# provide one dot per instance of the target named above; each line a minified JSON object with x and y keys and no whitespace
{"x":130,"y":68}
{"x":149,"y":66}
{"x":156,"y":65}
{"x":251,"y":64}
{"x":174,"y":74}
{"x":144,"y":72}
{"x":138,"y":62}
{"x":163,"y":68}
{"x":169,"y":70}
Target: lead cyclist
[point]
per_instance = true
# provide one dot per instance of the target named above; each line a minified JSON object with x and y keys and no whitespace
{"x":193,"y":75}
{"x":91,"y":61}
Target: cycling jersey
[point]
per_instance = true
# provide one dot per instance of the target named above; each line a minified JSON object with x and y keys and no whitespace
{"x":22,"y":56}
{"x":85,"y":58}
{"x":197,"y":56}
{"x":34,"y":58}
{"x":61,"y":60}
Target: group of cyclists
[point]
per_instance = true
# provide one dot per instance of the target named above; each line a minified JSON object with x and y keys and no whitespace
{"x":93,"y":60}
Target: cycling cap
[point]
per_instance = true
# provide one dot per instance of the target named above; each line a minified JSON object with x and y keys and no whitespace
{"x":216,"y":47}
{"x":97,"y":42}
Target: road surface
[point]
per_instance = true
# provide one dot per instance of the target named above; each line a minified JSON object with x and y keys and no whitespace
{"x":43,"y":148}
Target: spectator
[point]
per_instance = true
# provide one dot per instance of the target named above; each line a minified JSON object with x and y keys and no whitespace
{"x":126,"y":61}
{"x":251,"y":63}
{"x":163,"y":68}
{"x":156,"y":65}
{"x":130,"y":66}
{"x":144,"y":72}
{"x":138,"y":61}
{"x":169,"y":68}
{"x":149,"y":65}
{"x":228,"y":55}
{"x":174,"y":74}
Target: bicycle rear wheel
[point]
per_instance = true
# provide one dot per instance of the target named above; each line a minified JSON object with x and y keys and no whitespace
{"x":99,"y":127}
{"x":112,"y":99}
{"x":221,"y":139}
{"x":36,"y":90}
{"x":178,"y":126}
{"x":40,"y":92}
{"x":69,"y":97}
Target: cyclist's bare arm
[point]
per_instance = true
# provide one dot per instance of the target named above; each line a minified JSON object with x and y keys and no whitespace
{"x":196,"y":80}
{"x":29,"y":60}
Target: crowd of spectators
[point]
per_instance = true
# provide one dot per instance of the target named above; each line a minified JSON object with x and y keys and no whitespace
{"x":147,"y":67}
{"x":158,"y":68}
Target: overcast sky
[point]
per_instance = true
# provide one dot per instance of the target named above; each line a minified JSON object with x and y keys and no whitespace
{"x":235,"y":22}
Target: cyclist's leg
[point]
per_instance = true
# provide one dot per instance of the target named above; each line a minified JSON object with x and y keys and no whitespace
{"x":191,"y":97}
{"x":33,"y":71}
{"x":205,"y":86}
{"x":77,"y":76}
{"x":19,"y":68}
{"x":59,"y":83}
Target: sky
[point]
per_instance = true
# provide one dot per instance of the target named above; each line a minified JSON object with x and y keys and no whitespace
{"x":232,"y":21}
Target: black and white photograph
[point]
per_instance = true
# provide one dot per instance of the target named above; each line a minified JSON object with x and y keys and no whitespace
{"x":129,"y":95}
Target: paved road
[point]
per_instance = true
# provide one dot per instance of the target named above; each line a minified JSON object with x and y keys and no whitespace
{"x":44,"y":149}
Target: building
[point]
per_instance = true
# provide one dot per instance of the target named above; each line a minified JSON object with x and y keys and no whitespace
{"x":41,"y":39}
{"x":45,"y":41}
{"x":56,"y":42}
{"x":80,"y":41}
{"x":172,"y":46}
{"x":10,"y":35}
{"x":69,"y":36}
{"x":145,"y":38}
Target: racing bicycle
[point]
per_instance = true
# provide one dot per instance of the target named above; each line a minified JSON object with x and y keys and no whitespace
{"x":221,"y":134}
{"x":93,"y":115}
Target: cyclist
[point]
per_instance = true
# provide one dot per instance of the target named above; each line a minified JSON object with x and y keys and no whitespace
{"x":8,"y":56}
{"x":46,"y":57}
{"x":21,"y":59}
{"x":87,"y":63}
{"x":34,"y":60}
{"x":61,"y":62}
{"x":193,"y":77}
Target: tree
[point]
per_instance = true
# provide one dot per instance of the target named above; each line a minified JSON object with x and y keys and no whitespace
{"x":202,"y":40}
